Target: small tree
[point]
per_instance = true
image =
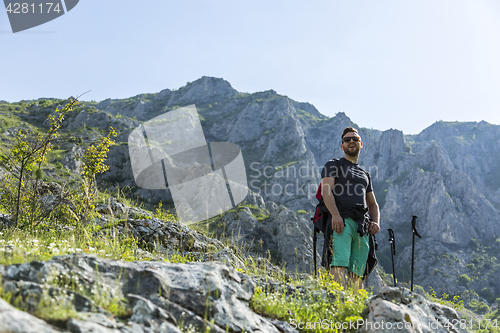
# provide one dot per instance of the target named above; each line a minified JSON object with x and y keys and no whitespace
{"x":93,"y":163}
{"x":20,"y":193}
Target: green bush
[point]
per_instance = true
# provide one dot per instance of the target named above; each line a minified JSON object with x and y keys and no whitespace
{"x":463,"y":280}
{"x":487,"y":294}
{"x":479,"y":307}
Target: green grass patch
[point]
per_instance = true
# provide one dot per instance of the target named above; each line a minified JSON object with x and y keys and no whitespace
{"x":325,"y":303}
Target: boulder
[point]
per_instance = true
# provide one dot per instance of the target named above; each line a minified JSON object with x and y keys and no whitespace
{"x":156,"y":296}
{"x":399,"y":309}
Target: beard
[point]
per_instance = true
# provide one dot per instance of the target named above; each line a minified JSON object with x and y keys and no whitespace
{"x":353,"y":153}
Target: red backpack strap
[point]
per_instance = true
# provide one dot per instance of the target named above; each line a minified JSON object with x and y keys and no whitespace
{"x":318,"y":193}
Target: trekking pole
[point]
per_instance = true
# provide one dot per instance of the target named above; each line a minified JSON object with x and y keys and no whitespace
{"x":314,"y":250}
{"x":415,"y":232}
{"x":393,"y":252}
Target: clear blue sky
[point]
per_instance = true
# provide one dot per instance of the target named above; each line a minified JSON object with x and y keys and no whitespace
{"x":386,"y":63}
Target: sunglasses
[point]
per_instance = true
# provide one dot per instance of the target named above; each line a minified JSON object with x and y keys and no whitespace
{"x":351,"y":138}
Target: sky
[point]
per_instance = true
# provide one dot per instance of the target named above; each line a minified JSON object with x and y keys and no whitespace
{"x":386,"y":63}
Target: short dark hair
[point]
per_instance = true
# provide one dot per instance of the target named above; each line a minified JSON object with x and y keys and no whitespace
{"x":349,"y":129}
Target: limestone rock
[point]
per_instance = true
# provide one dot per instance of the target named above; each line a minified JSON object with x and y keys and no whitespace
{"x":159,"y":295}
{"x":16,"y":321}
{"x":397,"y":309}
{"x":70,"y":162}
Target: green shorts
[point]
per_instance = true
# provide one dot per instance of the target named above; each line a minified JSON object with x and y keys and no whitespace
{"x":349,"y":249}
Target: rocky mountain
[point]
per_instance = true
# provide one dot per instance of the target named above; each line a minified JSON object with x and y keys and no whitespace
{"x":448,"y":175}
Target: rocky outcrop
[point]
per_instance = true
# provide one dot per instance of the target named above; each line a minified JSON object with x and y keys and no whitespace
{"x":167,"y":237}
{"x":103,"y":295}
{"x":72,"y":159}
{"x":396,"y":309}
{"x":152,"y":296}
{"x":271,"y":230}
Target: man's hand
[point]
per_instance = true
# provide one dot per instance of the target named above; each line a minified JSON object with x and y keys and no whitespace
{"x":327,"y":184}
{"x":337,"y":224}
{"x":374,"y":213}
{"x":374,"y":227}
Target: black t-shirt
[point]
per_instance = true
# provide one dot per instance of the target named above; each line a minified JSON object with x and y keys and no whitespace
{"x":351,"y":182}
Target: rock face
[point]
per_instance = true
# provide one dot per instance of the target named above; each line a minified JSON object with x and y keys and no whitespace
{"x":155,"y":296}
{"x":70,"y":160}
{"x":396,"y":309}
{"x":271,"y":230}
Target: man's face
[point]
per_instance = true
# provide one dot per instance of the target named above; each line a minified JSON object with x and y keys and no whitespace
{"x":350,"y":146}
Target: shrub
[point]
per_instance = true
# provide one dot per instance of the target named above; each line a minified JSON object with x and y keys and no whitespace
{"x":487,"y":294}
{"x":93,"y":163}
{"x":479,"y":307}
{"x":463,"y":280}
{"x":20,"y":192}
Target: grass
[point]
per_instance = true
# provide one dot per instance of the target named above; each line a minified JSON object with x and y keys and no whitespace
{"x":20,"y":246}
{"x":308,"y":119}
{"x":324,"y":303}
{"x":8,"y":121}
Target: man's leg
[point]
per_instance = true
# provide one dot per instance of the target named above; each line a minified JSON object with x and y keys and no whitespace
{"x":338,"y":273}
{"x":357,"y":261}
{"x":341,"y":252}
{"x":354,"y":281}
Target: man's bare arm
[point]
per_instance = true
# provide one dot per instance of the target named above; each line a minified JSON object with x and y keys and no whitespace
{"x":327,"y":184}
{"x":374,"y":212}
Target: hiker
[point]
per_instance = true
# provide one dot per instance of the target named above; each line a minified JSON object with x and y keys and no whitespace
{"x":348,"y":194}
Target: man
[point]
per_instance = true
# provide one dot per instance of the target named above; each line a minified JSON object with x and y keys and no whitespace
{"x":348,"y":194}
